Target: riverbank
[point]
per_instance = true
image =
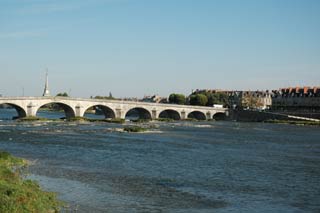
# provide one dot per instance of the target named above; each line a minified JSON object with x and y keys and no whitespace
{"x":20,"y":195}
{"x":301,"y":123}
{"x":270,"y":117}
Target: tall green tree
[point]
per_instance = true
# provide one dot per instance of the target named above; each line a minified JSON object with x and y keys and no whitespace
{"x":177,"y":98}
{"x":218,"y":98}
{"x":198,"y":99}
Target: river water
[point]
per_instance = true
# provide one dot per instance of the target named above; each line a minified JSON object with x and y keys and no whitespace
{"x":175,"y":167}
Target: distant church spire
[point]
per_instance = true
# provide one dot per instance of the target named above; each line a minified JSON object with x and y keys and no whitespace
{"x":46,"y":91}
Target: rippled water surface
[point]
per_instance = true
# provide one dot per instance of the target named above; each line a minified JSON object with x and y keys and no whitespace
{"x":176,"y":167}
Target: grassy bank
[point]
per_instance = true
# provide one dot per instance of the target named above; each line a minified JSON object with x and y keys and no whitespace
{"x":19,"y":195}
{"x":307,"y":123}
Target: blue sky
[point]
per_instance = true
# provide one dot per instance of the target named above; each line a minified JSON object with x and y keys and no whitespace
{"x":143,"y":47}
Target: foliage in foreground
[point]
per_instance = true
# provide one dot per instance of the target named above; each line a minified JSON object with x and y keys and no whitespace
{"x":18,"y":195}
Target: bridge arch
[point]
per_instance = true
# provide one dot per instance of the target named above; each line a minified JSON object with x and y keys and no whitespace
{"x":101,"y":109}
{"x":197,"y":115}
{"x":138,"y":113}
{"x":170,"y":113}
{"x":219,"y":116}
{"x":68,"y":110}
{"x":19,"y":109}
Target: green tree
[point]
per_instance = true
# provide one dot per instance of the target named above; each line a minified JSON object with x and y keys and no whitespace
{"x":64,"y":94}
{"x":217,"y":98}
{"x":177,"y":98}
{"x":198,"y":99}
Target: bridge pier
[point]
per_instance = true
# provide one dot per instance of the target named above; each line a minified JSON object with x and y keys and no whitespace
{"x":208,"y":116}
{"x":78,"y":110}
{"x":154,"y":114}
{"x":120,"y":114}
{"x":183,"y":115}
{"x":31,"y":110}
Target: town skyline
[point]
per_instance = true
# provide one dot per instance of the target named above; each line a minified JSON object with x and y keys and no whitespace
{"x":46,"y":91}
{"x":137,"y":48}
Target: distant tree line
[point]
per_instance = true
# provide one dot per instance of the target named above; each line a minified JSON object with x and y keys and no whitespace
{"x":110,"y":97}
{"x":200,"y":99}
{"x":63,"y":94}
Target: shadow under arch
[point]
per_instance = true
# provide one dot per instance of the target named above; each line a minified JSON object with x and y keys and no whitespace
{"x":219,"y":116}
{"x":170,"y":113}
{"x":56,"y":107}
{"x":197,"y":115}
{"x":99,"y":110}
{"x":138,"y":113}
{"x":21,"y":113}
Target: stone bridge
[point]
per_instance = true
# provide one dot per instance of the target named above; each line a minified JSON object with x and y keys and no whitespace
{"x":76,"y":107}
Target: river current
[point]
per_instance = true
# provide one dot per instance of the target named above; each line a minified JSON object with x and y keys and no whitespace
{"x":175,"y":167}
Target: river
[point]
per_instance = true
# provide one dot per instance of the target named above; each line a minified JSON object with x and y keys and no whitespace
{"x":175,"y":167}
